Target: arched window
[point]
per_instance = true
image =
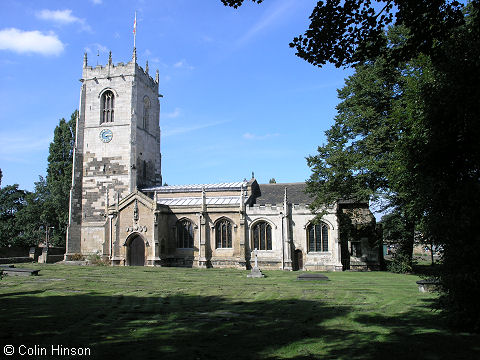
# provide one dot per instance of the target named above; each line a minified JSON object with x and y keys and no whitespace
{"x":223,"y":234}
{"x":107,"y":107}
{"x":317,"y":235}
{"x":146,"y":112}
{"x":262,"y":236}
{"x":184,"y":234}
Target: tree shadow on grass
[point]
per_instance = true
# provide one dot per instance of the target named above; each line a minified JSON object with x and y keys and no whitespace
{"x":419,"y":334}
{"x":212,"y":327}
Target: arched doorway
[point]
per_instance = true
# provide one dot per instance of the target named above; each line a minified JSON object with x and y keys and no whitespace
{"x":136,"y":252}
{"x":298,"y":260}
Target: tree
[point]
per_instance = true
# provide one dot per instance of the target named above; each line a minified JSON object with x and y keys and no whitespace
{"x":34,"y":217}
{"x":272,"y":181}
{"x":56,"y":194}
{"x":439,"y":162}
{"x":12,"y":200}
{"x":24,"y":215}
{"x":366,"y":155}
{"x":395,"y":230}
{"x":447,"y":168}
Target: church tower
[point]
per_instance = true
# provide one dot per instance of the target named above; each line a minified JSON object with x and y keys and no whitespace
{"x":117,"y":147}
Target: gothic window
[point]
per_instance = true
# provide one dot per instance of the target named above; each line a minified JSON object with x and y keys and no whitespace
{"x":223,"y":234}
{"x":262,"y":236}
{"x":146,"y":112}
{"x":107,"y":107}
{"x":317,"y":236}
{"x":184,"y":234}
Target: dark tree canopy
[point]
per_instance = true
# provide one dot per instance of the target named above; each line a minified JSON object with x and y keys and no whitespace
{"x":59,"y":178}
{"x":236,"y":3}
{"x":12,"y":200}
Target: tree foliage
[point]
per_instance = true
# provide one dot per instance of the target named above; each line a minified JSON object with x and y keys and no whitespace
{"x":59,"y":178}
{"x":366,"y":155}
{"x":410,"y":130}
{"x":24,"y":215}
{"x":447,"y":167}
{"x":12,"y":200}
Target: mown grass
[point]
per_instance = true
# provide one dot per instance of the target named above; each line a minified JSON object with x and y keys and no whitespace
{"x":174,"y":313}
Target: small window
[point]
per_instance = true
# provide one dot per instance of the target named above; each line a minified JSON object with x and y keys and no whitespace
{"x":185,"y":234}
{"x":144,"y":171}
{"x":317,"y":235}
{"x":146,"y":112}
{"x":107,"y":107}
{"x":356,"y":249}
{"x":262,"y":236}
{"x":223,"y":234}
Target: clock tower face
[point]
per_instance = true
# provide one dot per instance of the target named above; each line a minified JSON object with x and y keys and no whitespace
{"x":106,"y":135}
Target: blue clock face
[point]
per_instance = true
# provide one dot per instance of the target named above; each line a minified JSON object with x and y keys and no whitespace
{"x":106,"y":135}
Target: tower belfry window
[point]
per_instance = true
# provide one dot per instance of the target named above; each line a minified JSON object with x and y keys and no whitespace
{"x":107,"y":107}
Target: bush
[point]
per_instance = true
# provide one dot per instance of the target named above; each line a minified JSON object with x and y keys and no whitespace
{"x":77,"y":257}
{"x":96,"y":259}
{"x":401,"y":264}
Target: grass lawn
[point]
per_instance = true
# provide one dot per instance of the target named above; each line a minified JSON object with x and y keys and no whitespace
{"x":175,"y":313}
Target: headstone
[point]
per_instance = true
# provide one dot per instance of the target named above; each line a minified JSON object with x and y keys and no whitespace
{"x":428,"y":285}
{"x":256,"y":272}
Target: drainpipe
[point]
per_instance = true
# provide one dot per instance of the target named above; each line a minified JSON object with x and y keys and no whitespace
{"x":284,"y":227}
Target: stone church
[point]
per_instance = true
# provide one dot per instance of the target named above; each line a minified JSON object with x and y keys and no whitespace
{"x":120,"y":210}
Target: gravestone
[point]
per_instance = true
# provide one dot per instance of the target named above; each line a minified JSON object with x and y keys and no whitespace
{"x":256,"y":272}
{"x":313,"y":276}
{"x":13,"y":271}
{"x":428,"y":285}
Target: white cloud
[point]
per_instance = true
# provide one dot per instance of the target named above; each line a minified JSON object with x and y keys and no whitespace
{"x":189,"y":128}
{"x":22,"y":144}
{"x":30,"y":42}
{"x":172,"y":115}
{"x":250,"y":136}
{"x":206,"y":39}
{"x":96,"y":2}
{"x":274,"y":15}
{"x":63,"y":17}
{"x":182,"y":64}
{"x":96,"y":47}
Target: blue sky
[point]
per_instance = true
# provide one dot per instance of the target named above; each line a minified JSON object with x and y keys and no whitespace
{"x":236,"y":98}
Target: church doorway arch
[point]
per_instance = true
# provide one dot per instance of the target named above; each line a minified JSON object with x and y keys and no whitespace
{"x":136,"y":251}
{"x":298,"y":260}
